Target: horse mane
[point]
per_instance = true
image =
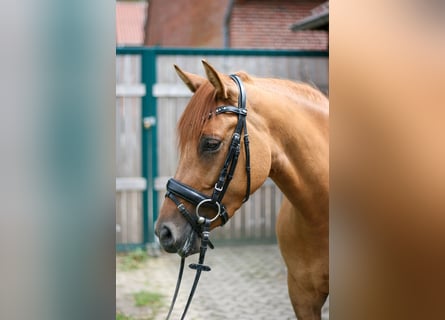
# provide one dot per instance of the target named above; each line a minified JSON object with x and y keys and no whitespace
{"x":196,"y":114}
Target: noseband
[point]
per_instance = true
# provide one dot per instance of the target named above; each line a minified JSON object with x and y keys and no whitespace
{"x":199,"y":223}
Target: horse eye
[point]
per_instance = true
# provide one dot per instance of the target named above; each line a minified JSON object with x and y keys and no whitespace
{"x":210,"y":145}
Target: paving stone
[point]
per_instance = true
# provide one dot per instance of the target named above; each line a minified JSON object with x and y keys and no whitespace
{"x":246,"y":282}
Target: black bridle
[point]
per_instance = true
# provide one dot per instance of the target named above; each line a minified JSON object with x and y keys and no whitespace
{"x":199,"y":223}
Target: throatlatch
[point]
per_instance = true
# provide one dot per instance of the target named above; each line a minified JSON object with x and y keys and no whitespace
{"x":201,"y":224}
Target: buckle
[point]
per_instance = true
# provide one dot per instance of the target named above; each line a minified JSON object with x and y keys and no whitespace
{"x":219,"y":189}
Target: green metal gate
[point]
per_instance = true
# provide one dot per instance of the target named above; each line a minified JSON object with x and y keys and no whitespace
{"x":148,"y":146}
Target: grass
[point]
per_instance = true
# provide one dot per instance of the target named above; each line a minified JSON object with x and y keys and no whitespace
{"x":120,"y":316}
{"x":154,"y":301}
{"x":132,"y":260}
{"x":146,"y":298}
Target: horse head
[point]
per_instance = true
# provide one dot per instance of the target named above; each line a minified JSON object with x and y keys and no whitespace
{"x":206,"y":134}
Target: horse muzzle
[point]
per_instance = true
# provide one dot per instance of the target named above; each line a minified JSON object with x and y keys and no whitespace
{"x":184,"y":242}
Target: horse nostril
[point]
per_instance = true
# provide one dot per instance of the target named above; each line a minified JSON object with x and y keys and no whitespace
{"x":166,"y":238}
{"x":165,"y":233}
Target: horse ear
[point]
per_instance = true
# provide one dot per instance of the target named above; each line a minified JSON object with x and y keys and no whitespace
{"x":215,"y":79}
{"x":191,"y":80}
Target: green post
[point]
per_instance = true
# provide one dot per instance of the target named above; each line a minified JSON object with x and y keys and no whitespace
{"x":149,"y":142}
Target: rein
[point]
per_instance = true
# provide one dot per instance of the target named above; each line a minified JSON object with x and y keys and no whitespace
{"x":199,"y":223}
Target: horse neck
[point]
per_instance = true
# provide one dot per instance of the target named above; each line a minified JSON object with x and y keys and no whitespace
{"x":296,"y":120}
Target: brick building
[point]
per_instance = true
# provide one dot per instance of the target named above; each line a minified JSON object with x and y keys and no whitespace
{"x":130,"y":22}
{"x":233,"y":24}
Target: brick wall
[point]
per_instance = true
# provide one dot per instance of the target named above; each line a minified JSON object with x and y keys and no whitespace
{"x":186,"y":23}
{"x":266,"y":24}
{"x":253,"y":24}
{"x":130,"y":19}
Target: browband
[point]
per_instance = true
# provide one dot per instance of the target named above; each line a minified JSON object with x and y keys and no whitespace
{"x":233,"y":109}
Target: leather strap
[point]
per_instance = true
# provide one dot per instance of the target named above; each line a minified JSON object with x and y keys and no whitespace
{"x":177,"y":189}
{"x":184,"y":191}
{"x":233,"y":109}
{"x":191,"y":219}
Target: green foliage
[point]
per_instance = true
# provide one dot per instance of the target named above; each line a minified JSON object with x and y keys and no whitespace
{"x":145,"y":298}
{"x":132,"y":260}
{"x":120,"y":316}
{"x":151,"y":300}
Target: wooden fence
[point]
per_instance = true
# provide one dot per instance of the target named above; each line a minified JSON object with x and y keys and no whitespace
{"x":129,"y":181}
{"x":256,"y":219}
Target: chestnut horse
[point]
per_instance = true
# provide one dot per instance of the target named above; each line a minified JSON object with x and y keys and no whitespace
{"x":289,"y":142}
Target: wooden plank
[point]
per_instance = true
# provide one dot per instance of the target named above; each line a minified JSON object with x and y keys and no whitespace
{"x":171,"y":90}
{"x":161,"y":183}
{"x":128,"y":69}
{"x":134,"y":217}
{"x":118,"y":219}
{"x":131,"y":183}
{"x":128,"y":137}
{"x":264,"y":204}
{"x":130,"y":90}
{"x":129,"y":217}
{"x":167,"y":144}
{"x":123,"y":216}
{"x":267,"y":212}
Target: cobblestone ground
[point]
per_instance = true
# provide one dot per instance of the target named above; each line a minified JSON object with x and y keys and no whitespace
{"x":246,"y":282}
